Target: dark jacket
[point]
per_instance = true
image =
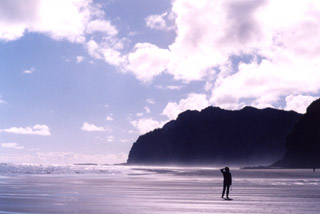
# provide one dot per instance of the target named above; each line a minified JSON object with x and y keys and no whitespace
{"x":227,"y":178}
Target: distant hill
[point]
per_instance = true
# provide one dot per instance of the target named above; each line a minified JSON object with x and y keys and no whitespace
{"x":303,"y":143}
{"x":217,"y":136}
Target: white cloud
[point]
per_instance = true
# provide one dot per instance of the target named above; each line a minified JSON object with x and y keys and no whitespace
{"x":299,"y":103}
{"x":37,"y":129}
{"x":92,"y":128}
{"x":64,"y":158}
{"x":174,"y":87}
{"x":93,"y":49}
{"x":147,"y":109}
{"x":109,"y":118}
{"x":75,"y":19}
{"x":101,"y":26}
{"x":282,"y":37}
{"x":75,"y":22}
{"x":29,"y":71}
{"x":110,"y":138}
{"x":150,"y":101}
{"x":18,"y":17}
{"x":157,"y":22}
{"x":79,"y":59}
{"x":208,"y":33}
{"x":146,"y":125}
{"x":266,"y":82}
{"x":281,"y":40}
{"x":123,"y":140}
{"x":139,"y":114}
{"x":132,"y":132}
{"x":147,"y":61}
{"x":192,"y":102}
{"x":169,"y":87}
{"x":11,"y":146}
{"x":2,"y":101}
{"x":108,"y":50}
{"x":133,"y":33}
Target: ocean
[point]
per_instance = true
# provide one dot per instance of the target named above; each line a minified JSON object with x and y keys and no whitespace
{"x":155,"y":190}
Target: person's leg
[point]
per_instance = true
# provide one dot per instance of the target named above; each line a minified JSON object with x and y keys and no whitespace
{"x":228,"y":186}
{"x":224,"y":189}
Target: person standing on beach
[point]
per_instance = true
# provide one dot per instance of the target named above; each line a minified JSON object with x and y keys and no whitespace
{"x":227,"y":181}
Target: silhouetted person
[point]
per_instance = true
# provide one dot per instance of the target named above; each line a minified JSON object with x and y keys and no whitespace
{"x":227,"y":181}
{"x":314,"y":169}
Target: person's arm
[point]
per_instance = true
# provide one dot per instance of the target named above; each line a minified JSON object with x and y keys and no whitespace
{"x":222,"y":170}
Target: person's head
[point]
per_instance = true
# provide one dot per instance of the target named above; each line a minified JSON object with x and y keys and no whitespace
{"x":227,"y":169}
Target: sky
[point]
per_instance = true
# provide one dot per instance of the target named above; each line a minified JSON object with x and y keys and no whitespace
{"x":81,"y":80}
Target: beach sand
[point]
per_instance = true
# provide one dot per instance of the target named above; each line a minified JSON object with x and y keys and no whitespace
{"x":161,"y":190}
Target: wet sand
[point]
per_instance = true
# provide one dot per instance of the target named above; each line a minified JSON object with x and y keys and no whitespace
{"x":162,"y":190}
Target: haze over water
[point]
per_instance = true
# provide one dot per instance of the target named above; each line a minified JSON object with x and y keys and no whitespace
{"x":136,"y":190}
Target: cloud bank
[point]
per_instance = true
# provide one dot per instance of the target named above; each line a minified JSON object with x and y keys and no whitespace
{"x":250,"y":52}
{"x":11,"y":146}
{"x":145,"y":125}
{"x":277,"y":48}
{"x":192,"y":102}
{"x":42,"y":130}
{"x":59,"y":19}
{"x":299,"y":103}
{"x":88,"y":127}
{"x":2,"y":101}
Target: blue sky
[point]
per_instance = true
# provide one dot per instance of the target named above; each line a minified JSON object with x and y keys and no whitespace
{"x":81,"y":80}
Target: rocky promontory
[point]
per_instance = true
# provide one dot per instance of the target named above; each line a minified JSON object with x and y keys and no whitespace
{"x":303,"y":143}
{"x":216,"y":136}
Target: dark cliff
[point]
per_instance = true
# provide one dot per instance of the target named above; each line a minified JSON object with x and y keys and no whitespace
{"x":214,"y":135}
{"x":303,"y":143}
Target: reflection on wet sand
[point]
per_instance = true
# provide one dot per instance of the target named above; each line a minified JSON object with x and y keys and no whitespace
{"x":160,"y":190}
